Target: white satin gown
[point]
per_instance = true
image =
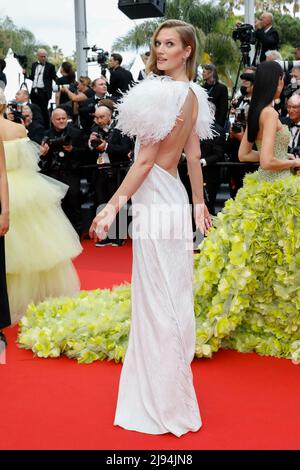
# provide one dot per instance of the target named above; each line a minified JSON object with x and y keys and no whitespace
{"x":156,"y":392}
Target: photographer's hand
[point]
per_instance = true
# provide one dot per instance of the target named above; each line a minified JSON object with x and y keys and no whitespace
{"x":258,"y":24}
{"x":44,"y":149}
{"x":102,"y":146}
{"x":236,"y":135}
{"x":68,"y":148}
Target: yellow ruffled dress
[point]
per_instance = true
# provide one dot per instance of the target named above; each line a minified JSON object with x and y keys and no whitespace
{"x":41,"y":241}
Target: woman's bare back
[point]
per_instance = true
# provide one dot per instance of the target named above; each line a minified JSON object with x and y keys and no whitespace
{"x":11,"y":131}
{"x":172,"y":146}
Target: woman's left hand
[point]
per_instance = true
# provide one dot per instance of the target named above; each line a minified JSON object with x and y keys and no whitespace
{"x":102,"y":222}
{"x":4,"y":224}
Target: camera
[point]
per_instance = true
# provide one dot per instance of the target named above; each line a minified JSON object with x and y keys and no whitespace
{"x":16,"y":110}
{"x":240,"y":121}
{"x":101,"y":57}
{"x":101,"y":135}
{"x":22,"y":59}
{"x":57,"y":143}
{"x":244,"y":33}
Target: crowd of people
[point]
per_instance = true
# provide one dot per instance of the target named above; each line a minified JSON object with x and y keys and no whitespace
{"x":247,"y":261}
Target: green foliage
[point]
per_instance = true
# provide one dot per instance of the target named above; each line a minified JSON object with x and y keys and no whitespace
{"x":288,"y":29}
{"x":20,"y":40}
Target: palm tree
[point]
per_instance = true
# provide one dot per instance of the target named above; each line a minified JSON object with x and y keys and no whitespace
{"x":207,"y":19}
{"x":203,"y":16}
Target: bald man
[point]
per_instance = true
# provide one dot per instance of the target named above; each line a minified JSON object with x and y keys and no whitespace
{"x":42,"y":75}
{"x":108,"y":147}
{"x":266,"y":37}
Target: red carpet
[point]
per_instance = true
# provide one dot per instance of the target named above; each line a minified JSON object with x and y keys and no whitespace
{"x":247,"y":401}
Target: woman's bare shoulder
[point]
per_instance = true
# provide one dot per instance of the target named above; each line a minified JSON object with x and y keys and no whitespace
{"x":269,"y":112}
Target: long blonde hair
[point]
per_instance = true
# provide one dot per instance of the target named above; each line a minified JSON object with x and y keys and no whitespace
{"x":187,"y":35}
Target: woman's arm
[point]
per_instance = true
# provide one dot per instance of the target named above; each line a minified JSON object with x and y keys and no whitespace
{"x":4,"y":215}
{"x":133,"y":180}
{"x":193,"y":154}
{"x":246,"y":154}
{"x":73,"y":97}
{"x":268,"y":122}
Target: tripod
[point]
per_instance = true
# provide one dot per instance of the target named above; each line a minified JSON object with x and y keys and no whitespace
{"x":245,"y":61}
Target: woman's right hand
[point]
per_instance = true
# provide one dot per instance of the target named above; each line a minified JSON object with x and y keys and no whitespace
{"x":202,"y":218}
{"x":4,"y":224}
{"x":102,"y":222}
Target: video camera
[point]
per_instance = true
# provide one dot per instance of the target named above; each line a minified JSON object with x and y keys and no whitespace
{"x":244,"y":33}
{"x":101,"y":57}
{"x":101,"y":136}
{"x":22,"y":59}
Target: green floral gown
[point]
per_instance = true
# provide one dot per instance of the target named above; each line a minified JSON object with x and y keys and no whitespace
{"x":246,"y":284}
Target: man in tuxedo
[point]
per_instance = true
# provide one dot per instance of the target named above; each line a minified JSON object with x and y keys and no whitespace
{"x":22,"y":99}
{"x":120,"y":78}
{"x":267,"y":37}
{"x":293,"y":121}
{"x":42,"y":74}
{"x":87,"y":107}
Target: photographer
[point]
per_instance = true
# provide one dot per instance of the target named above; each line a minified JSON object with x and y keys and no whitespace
{"x":217,"y":93}
{"x":120,"y":78}
{"x":293,"y":122}
{"x":87,"y":108}
{"x":240,"y":108}
{"x":42,"y":75}
{"x":61,"y":153}
{"x":267,"y":37}
{"x":108,"y":146}
{"x":14,"y":113}
{"x":35,"y":130}
{"x":22,"y":99}
{"x":3,"y":80}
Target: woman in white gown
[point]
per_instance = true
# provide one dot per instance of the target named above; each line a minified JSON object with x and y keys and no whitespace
{"x":167,"y":113}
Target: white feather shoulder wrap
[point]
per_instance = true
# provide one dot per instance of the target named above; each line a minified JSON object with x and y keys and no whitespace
{"x":150,"y":109}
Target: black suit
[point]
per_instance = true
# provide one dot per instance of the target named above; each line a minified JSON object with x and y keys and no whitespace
{"x":212,"y":151}
{"x":41,"y":96}
{"x":36,"y":132}
{"x":36,"y":113}
{"x":265,"y":41}
{"x":218,"y":95}
{"x":107,"y":179}
{"x":120,"y":79}
{"x":294,"y":128}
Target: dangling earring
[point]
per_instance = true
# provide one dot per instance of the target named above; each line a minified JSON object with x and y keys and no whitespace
{"x":184,"y":61}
